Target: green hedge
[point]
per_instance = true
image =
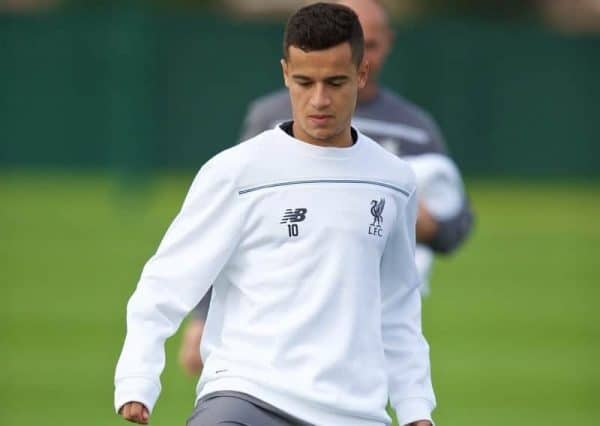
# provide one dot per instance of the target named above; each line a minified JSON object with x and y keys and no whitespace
{"x":134,"y":90}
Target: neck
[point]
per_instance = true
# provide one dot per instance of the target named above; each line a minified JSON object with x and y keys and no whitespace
{"x":341,"y":140}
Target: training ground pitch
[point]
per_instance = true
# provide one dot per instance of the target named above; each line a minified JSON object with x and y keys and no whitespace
{"x":512,"y":319}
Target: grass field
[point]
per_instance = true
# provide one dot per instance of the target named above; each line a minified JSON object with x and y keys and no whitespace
{"x":512,"y":319}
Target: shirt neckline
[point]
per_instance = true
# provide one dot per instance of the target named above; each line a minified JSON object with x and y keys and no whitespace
{"x":322,"y":151}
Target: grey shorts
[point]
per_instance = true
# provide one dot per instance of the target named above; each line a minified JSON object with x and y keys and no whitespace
{"x":228,"y":408}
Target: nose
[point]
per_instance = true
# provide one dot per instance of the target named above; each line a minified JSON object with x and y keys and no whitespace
{"x":320,"y":98}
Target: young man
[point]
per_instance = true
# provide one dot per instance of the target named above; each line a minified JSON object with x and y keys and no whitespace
{"x":444,"y":217}
{"x":307,"y":233}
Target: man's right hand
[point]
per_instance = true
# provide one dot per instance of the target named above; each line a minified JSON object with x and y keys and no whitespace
{"x":135,"y":412}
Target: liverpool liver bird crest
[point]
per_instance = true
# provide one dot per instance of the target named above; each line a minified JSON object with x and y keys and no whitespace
{"x":377,"y":211}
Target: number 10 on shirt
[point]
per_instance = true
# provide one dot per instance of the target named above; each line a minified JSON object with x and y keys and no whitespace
{"x":291,"y":217}
{"x":293,"y":230}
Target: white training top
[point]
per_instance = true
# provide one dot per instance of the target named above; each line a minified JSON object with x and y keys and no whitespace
{"x":315,"y":308}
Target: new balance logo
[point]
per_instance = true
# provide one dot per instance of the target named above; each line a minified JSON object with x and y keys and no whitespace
{"x":292,"y":217}
{"x":377,"y":211}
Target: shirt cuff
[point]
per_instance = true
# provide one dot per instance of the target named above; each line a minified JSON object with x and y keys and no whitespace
{"x":414,"y":409}
{"x":138,"y":389}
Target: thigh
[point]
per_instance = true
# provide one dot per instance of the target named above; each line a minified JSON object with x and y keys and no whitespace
{"x":233,"y":411}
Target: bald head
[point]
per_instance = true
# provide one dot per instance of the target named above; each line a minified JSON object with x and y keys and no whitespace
{"x":372,"y":11}
{"x":378,"y":36}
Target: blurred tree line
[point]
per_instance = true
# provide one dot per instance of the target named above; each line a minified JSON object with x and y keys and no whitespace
{"x":487,"y":8}
{"x":567,"y":15}
{"x":508,"y":8}
{"x":491,"y":8}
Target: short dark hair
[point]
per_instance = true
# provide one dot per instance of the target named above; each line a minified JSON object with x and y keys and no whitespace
{"x":321,"y":26}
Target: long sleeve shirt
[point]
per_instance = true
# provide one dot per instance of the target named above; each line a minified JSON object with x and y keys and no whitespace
{"x":315,"y":307}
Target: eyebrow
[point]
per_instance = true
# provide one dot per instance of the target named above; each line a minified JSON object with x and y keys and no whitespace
{"x":300,"y":77}
{"x":332,"y":78}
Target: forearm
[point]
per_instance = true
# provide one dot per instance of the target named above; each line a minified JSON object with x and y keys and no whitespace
{"x":450,"y":233}
{"x":174,"y":280}
{"x":427,"y":226}
{"x":153,"y":315}
{"x":445,"y":217}
{"x":407,"y":357}
{"x":406,"y":350}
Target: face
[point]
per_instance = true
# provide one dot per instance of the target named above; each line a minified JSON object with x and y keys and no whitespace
{"x":376,"y":30}
{"x":323,"y":88}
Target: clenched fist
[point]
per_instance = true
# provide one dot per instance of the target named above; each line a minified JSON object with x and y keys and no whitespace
{"x":135,"y":412}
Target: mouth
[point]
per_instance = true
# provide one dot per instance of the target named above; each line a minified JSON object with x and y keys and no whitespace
{"x":320,"y":119}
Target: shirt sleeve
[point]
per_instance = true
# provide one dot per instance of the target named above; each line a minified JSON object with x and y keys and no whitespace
{"x":191,"y":255}
{"x":406,"y":350}
{"x":441,"y":189}
{"x":255,"y":122}
{"x":266,"y":112}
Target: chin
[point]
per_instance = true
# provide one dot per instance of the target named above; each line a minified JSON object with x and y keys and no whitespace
{"x":319,"y":133}
{"x":322,"y":135}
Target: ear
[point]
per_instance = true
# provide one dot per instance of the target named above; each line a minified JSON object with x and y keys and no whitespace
{"x":363,"y":73}
{"x":285,"y":69}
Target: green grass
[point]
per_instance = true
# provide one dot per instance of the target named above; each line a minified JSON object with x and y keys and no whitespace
{"x":512,"y":321}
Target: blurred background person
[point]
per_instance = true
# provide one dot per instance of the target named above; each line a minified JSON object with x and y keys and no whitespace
{"x":444,"y":218}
